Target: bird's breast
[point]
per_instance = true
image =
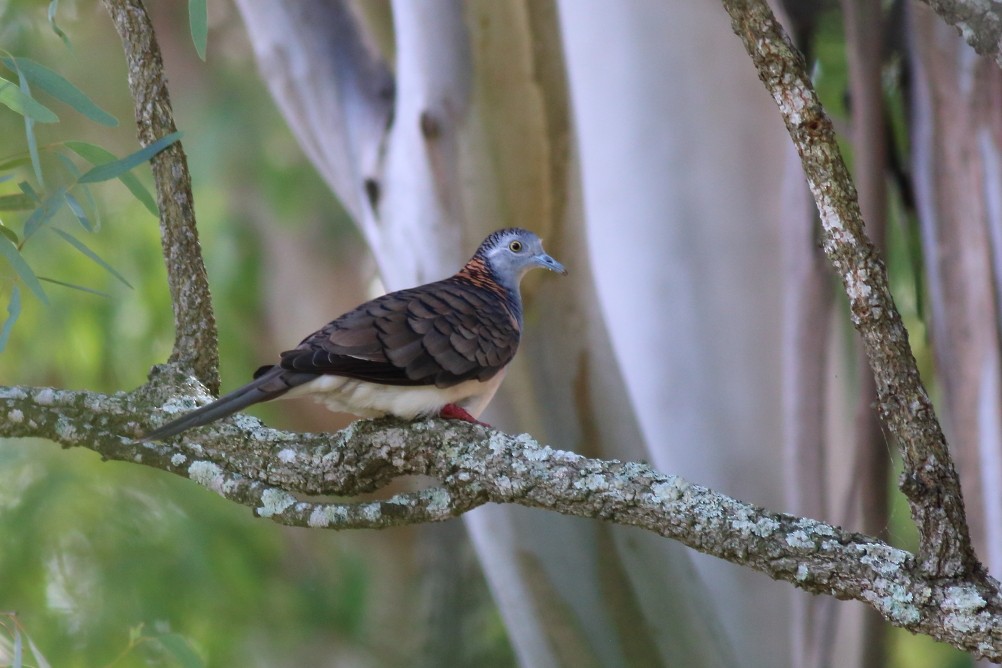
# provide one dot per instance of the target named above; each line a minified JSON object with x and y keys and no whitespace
{"x":368,"y":399}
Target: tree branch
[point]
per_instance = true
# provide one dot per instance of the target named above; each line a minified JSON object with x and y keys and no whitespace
{"x":195,"y":345}
{"x":929,"y":480}
{"x":979,"y":22}
{"x":262,"y":468}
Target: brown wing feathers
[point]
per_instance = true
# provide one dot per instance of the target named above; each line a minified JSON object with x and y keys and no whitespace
{"x":442,"y":333}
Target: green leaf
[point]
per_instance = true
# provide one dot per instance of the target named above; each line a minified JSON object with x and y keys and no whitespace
{"x":11,"y":96}
{"x":29,"y":132}
{"x":93,"y":207}
{"x":115,"y":169}
{"x":36,"y":163}
{"x":53,"y":6}
{"x":20,"y":202}
{"x":29,"y":191}
{"x":78,"y":211}
{"x":72,"y":202}
{"x":96,"y":155}
{"x":6,"y":177}
{"x":13,"y":311}
{"x":179,"y":646}
{"x":74,"y":286}
{"x":9,"y":233}
{"x":13,"y":255}
{"x":44,"y":212}
{"x":80,"y":246}
{"x":15,"y":161}
{"x":199,"y":22}
{"x":58,"y":87}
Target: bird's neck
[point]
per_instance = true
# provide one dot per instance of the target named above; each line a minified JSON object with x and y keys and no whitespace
{"x":478,"y":272}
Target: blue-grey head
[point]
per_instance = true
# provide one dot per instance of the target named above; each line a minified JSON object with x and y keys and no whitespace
{"x":512,"y":252}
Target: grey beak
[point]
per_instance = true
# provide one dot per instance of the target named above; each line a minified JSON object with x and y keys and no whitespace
{"x":549,"y":263}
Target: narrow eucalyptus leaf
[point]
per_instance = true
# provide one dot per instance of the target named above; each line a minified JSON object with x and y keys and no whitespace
{"x":24,"y":272}
{"x":15,"y":161}
{"x":44,"y":213}
{"x":115,"y":169}
{"x":82,"y":247}
{"x":60,"y":88}
{"x":13,"y":311}
{"x":17,"y":202}
{"x":53,"y":6}
{"x":74,"y":286}
{"x":28,"y":190}
{"x":9,"y":233}
{"x":97,"y":155}
{"x":199,"y":22}
{"x":12,"y":97}
{"x":78,"y":211}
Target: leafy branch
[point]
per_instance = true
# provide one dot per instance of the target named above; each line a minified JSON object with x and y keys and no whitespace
{"x":43,"y":204}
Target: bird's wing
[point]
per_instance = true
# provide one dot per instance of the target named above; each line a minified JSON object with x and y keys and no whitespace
{"x":439,"y":334}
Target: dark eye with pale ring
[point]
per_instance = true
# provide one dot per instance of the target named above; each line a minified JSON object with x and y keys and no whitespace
{"x":515,"y":246}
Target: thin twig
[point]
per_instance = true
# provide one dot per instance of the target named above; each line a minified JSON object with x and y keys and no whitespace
{"x":195,"y":342}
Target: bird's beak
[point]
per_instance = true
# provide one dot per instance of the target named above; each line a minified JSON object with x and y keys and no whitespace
{"x":548,"y":262}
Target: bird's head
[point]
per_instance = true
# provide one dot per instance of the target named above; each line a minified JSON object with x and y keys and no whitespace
{"x":513,"y":251}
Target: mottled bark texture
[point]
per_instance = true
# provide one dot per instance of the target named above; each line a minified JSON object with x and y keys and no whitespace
{"x":978,"y":21}
{"x":264,"y":469}
{"x":929,"y":480}
{"x":195,"y":345}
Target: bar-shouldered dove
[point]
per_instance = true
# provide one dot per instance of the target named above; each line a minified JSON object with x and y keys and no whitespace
{"x":437,"y":349}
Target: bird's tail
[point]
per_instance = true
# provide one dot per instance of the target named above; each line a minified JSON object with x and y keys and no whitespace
{"x":269,"y":383}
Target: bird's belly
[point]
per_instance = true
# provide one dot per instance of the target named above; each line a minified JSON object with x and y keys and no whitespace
{"x":366,"y":399}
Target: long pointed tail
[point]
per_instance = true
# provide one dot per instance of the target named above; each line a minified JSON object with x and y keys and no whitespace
{"x":271,"y":384}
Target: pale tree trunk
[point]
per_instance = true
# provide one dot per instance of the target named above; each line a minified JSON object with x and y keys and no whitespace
{"x":866,"y":504}
{"x":478,"y":136}
{"x":807,"y":407}
{"x":957,"y":161}
{"x":683,"y":157}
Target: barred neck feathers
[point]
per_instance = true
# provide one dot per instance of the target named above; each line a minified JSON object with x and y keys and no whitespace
{"x":479,"y":273}
{"x":501,"y":262}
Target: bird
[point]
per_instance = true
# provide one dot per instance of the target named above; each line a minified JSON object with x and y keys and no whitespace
{"x":439,"y":349}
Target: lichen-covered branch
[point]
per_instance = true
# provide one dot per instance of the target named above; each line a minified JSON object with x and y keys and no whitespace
{"x":195,"y":345}
{"x":979,"y":22}
{"x":929,"y":481}
{"x":266,"y":469}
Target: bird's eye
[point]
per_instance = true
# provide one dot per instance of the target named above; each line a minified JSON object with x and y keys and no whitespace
{"x":515,"y":246}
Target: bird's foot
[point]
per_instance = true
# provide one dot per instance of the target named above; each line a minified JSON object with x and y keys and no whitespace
{"x":456,"y":412}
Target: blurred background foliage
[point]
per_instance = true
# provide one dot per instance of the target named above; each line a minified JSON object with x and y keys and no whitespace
{"x":94,"y":553}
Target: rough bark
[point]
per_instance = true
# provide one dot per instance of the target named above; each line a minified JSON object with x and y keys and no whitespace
{"x":978,"y":22}
{"x":930,"y":481}
{"x":264,"y":470}
{"x":195,"y":345}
